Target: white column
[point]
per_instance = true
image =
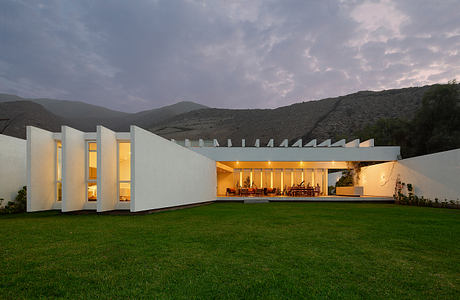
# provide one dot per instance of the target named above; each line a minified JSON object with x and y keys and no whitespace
{"x":282,"y":180}
{"x":40,"y":169}
{"x":74,"y":191}
{"x":107,"y":162}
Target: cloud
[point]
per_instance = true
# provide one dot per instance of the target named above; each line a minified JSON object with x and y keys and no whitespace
{"x":236,"y":54}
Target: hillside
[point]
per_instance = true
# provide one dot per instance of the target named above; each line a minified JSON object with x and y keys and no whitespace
{"x":14,"y":116}
{"x":334,"y":118}
{"x":329,"y":118}
{"x":86,"y":117}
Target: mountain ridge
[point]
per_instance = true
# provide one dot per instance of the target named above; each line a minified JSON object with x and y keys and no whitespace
{"x":335,"y":117}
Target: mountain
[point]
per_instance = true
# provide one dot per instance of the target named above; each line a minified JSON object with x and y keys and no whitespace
{"x":332,"y":118}
{"x":148,"y":118}
{"x":86,"y":117}
{"x":14,"y":116}
{"x":335,"y":118}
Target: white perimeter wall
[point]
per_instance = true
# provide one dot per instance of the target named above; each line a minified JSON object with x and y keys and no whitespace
{"x":73,"y":169}
{"x":12,"y":167}
{"x":164,"y":174}
{"x":40,"y":169}
{"x":106,"y":169}
{"x":332,"y":178}
{"x":433,"y":176}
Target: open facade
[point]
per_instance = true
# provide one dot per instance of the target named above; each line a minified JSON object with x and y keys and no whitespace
{"x":138,"y":170}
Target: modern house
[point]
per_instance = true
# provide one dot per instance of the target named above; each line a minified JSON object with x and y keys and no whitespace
{"x":140,"y":171}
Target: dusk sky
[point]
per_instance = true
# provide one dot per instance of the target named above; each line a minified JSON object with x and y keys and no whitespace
{"x":136,"y":55}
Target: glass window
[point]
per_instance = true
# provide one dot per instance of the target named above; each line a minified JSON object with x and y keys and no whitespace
{"x":288,"y":178}
{"x":124,"y":171}
{"x":92,"y":171}
{"x":124,"y":161}
{"x":92,"y":146}
{"x":58,"y":171}
{"x":278,"y":179}
{"x":257,"y":179}
{"x":268,"y":178}
{"x":237,"y":178}
{"x":298,"y":177}
{"x":125,"y":191}
{"x":92,"y":191}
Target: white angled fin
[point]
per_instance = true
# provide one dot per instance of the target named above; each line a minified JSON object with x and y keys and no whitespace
{"x":285,"y":143}
{"x":340,"y":143}
{"x":215,"y":143}
{"x":368,"y":143}
{"x":257,"y":143}
{"x":326,"y":143}
{"x":311,"y":143}
{"x":298,"y":143}
{"x":352,"y":144}
{"x":174,"y":141}
{"x":200,"y":143}
{"x":271,"y":143}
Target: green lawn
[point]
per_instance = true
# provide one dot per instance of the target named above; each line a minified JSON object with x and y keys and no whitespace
{"x":276,"y":250}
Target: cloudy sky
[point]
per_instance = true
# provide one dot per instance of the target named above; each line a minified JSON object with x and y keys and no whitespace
{"x":134,"y":55}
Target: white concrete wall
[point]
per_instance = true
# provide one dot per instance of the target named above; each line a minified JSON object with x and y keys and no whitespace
{"x":12,"y":167}
{"x":40,"y":169}
{"x":106,"y":169}
{"x":334,"y":177}
{"x":164,"y":174}
{"x":299,"y":154}
{"x":73,"y":169}
{"x":432,"y":176}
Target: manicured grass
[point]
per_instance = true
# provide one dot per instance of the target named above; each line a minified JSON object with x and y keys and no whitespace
{"x":276,"y":250}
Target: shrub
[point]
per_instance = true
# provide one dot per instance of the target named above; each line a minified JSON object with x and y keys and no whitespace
{"x":412,"y":199}
{"x":18,"y":205}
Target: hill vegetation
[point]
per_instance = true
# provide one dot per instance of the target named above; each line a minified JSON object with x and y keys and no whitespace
{"x":435,"y":126}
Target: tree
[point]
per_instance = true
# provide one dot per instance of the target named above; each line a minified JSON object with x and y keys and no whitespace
{"x":437,"y":123}
{"x":435,"y":127}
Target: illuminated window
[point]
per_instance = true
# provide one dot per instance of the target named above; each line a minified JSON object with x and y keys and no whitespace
{"x":58,"y":171}
{"x":124,"y":171}
{"x":91,"y":171}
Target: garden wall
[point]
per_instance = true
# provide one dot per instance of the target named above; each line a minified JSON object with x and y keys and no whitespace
{"x":12,"y":167}
{"x":432,"y":176}
{"x":164,"y":174}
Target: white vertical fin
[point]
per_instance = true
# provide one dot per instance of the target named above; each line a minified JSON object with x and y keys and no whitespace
{"x":326,"y":143}
{"x":311,"y":143}
{"x":352,"y":144}
{"x":257,"y":144}
{"x":298,"y":143}
{"x":187,"y":143}
{"x":340,"y":143}
{"x":200,"y":143}
{"x":243,"y":143}
{"x":368,"y":143}
{"x":229,"y":142}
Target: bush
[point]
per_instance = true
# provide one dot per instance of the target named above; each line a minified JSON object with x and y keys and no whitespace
{"x":19,"y":204}
{"x":412,"y":199}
